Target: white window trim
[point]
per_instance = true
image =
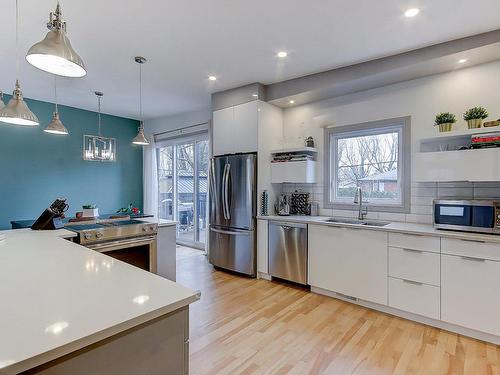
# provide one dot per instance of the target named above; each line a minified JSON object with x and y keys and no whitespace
{"x":404,"y":163}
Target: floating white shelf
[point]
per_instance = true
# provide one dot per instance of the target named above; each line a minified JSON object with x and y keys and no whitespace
{"x":298,"y":172}
{"x":460,"y":165}
{"x":295,"y":150}
{"x":461,"y":133}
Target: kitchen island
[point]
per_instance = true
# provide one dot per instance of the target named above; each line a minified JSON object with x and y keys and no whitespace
{"x":68,"y":309}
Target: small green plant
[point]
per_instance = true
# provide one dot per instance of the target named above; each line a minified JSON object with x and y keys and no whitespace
{"x":475,"y":113}
{"x":445,"y":118}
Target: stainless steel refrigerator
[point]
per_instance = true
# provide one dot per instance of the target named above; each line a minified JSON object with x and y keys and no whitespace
{"x":233,"y":205}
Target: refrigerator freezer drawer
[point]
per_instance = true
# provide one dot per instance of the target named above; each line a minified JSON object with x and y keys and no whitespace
{"x":288,"y":251}
{"x":233,"y":250}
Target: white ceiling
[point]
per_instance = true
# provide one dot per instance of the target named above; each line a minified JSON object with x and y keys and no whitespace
{"x":187,"y":40}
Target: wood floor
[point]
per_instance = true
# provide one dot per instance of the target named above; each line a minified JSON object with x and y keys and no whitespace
{"x":247,"y":326}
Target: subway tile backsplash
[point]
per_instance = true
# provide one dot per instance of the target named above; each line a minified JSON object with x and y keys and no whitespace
{"x":422,"y":195}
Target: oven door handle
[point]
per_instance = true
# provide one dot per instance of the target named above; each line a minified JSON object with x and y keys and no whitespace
{"x":120,"y":244}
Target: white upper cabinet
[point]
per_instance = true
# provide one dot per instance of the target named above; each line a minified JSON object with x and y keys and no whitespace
{"x":349,"y":261}
{"x":235,"y":129}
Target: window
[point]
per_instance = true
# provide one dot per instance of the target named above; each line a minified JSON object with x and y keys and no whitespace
{"x":373,"y":156}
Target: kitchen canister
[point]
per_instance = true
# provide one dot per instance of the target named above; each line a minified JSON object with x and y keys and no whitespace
{"x":264,"y":203}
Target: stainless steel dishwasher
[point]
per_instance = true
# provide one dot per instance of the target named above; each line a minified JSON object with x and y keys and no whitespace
{"x":288,"y":251}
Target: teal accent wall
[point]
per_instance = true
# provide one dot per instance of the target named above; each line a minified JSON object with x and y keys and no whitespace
{"x":37,"y":167}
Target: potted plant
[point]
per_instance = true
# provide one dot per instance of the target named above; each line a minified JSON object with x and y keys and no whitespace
{"x":445,"y":120}
{"x":475,"y":117}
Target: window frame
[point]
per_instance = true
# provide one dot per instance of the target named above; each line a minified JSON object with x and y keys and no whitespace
{"x":403,"y":124}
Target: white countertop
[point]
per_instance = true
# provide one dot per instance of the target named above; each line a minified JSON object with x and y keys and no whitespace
{"x":395,"y":226}
{"x":58,"y":296}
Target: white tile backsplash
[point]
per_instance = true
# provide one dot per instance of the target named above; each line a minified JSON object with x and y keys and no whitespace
{"x":422,"y":196}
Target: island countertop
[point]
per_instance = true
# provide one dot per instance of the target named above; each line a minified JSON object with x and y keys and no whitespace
{"x":58,"y":297}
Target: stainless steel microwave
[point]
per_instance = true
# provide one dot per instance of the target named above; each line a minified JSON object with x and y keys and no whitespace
{"x":470,"y":215}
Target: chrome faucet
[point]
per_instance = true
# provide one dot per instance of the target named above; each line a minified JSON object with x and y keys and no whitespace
{"x":358,"y":199}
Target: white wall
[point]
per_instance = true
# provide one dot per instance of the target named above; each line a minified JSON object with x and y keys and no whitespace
{"x":182,"y":120}
{"x":421,"y":99}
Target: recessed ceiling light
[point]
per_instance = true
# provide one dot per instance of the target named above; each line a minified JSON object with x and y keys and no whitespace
{"x":282,"y":54}
{"x":462,"y":61}
{"x":212,"y":78}
{"x":412,"y":12}
{"x":291,"y":101}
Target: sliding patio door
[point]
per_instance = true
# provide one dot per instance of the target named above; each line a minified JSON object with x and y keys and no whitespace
{"x":183,"y":186}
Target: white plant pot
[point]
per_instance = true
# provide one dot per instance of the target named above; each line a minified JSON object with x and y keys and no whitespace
{"x":90,"y":212}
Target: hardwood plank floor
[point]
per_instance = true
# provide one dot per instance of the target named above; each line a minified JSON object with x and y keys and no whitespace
{"x":246,"y":326}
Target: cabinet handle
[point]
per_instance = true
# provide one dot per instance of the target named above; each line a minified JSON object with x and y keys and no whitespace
{"x":413,"y":250}
{"x":412,"y":282}
{"x":476,"y":241}
{"x":473,"y":259}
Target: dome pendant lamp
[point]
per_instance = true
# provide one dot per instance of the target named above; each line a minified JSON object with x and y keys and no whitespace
{"x":56,"y":126}
{"x":16,"y":112}
{"x":140,"y":138}
{"x":54,"y":54}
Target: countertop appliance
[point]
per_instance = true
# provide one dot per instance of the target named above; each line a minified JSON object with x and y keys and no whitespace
{"x":300,"y":204}
{"x":233,"y":207}
{"x":283,"y":205}
{"x":131,"y":241}
{"x":468,"y":215}
{"x":288,"y":251}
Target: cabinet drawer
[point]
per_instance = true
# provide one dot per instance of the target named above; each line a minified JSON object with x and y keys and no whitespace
{"x":415,"y":265}
{"x":413,"y":297}
{"x":471,"y":248}
{"x":415,"y":242}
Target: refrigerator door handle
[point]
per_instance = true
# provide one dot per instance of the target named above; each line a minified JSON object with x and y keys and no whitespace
{"x":232,"y":233}
{"x":225,"y":192}
{"x":223,"y":188}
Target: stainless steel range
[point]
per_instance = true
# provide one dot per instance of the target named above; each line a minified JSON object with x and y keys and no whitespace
{"x":131,"y":241}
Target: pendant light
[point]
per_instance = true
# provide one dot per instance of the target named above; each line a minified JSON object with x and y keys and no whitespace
{"x":16,"y":111}
{"x":97,"y":147}
{"x":54,"y":54}
{"x":140,"y":138}
{"x":56,"y":126}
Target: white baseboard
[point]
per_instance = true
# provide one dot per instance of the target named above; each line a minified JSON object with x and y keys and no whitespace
{"x":413,"y":317}
{"x":265,"y":276}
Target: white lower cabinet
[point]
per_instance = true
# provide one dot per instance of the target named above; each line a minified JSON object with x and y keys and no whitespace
{"x":469,"y":292}
{"x":414,"y":297}
{"x":349,"y":261}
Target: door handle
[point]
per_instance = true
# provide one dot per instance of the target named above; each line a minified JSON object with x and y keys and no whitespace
{"x":472,"y":259}
{"x":225,"y":194}
{"x":476,"y":241}
{"x":224,"y":187}
{"x":412,"y":282}
{"x":231,"y":233}
{"x":413,"y":251}
{"x":229,"y":190}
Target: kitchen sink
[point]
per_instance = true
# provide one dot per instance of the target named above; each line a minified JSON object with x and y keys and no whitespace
{"x":370,"y":223}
